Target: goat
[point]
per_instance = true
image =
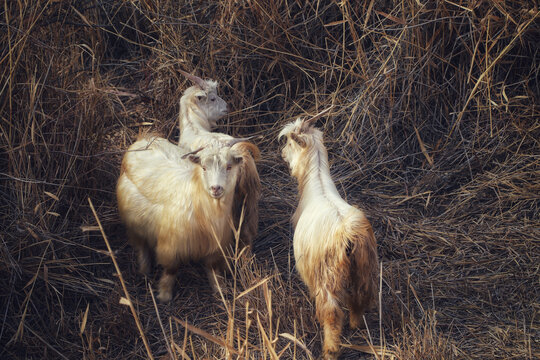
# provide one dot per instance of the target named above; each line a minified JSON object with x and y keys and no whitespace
{"x":200,"y":108}
{"x":334,"y":245}
{"x":179,"y":205}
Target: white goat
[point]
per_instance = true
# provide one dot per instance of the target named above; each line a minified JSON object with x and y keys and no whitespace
{"x":200,"y":108}
{"x":334,"y":246}
{"x":180,"y":208}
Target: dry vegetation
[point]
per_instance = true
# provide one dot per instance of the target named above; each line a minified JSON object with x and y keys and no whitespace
{"x":434,"y":131}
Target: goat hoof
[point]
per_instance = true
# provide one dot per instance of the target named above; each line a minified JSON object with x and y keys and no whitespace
{"x":145,"y":270}
{"x":331,"y":354}
{"x":216,"y":287}
{"x":164,"y":296}
{"x":356,"y":323}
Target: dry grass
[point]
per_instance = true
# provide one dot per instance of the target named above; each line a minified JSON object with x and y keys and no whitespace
{"x":434,"y":131}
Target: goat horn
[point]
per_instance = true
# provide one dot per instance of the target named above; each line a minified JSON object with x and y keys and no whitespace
{"x":237,"y":140}
{"x":319,"y":115}
{"x":192,"y":152}
{"x":195,"y":79}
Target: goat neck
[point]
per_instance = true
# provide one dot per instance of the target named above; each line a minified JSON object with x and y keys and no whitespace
{"x":313,"y":175}
{"x":193,"y":121}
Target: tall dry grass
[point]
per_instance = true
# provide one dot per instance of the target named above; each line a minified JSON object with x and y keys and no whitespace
{"x":434,"y":131}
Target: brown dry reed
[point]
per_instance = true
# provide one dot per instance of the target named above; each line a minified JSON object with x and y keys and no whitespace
{"x":433,"y":131}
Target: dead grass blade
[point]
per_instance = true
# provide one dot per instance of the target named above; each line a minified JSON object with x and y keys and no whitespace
{"x":379,"y":351}
{"x":297,"y":342}
{"x":206,"y":335}
{"x":121,"y":278}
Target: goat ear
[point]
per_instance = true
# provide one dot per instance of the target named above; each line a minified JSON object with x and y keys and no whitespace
{"x":200,"y":95}
{"x":299,"y":140}
{"x":238,"y":159}
{"x":194,"y":159}
{"x":237,"y":155}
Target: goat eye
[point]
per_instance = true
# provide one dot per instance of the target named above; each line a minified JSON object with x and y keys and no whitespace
{"x":212,"y":99}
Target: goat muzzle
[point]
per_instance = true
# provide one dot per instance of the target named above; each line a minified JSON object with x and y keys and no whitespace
{"x":216,"y":191}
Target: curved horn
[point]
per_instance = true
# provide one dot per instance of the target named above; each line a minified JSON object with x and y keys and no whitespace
{"x":195,"y":79}
{"x":319,"y":115}
{"x":230,"y":143}
{"x":192,"y":152}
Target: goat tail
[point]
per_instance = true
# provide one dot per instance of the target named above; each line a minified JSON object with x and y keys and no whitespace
{"x":247,"y":194}
{"x":362,"y":254}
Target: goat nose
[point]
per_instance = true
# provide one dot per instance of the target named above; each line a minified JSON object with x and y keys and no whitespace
{"x":216,"y":188}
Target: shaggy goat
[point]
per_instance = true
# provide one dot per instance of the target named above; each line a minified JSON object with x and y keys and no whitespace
{"x":334,"y":246}
{"x":200,"y":108}
{"x":180,"y":208}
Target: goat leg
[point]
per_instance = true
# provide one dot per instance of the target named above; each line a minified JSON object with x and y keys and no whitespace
{"x":166,"y":284}
{"x":215,"y":265}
